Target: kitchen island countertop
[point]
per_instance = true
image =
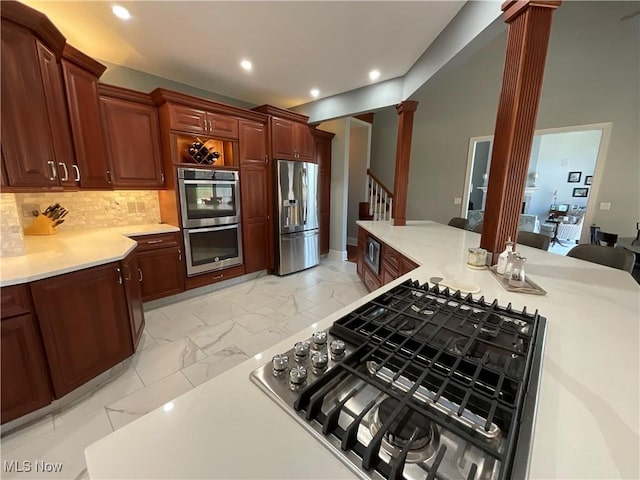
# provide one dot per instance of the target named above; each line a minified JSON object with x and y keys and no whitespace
{"x":50,"y":255}
{"x":588,"y":406}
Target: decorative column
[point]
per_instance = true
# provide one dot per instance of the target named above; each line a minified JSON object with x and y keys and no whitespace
{"x":527,"y":40}
{"x":403,"y":157}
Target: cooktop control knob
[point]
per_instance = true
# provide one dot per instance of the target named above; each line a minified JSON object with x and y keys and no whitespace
{"x":297,"y":376}
{"x":319,"y":340}
{"x":319,"y":362}
{"x":301,"y":350}
{"x":280,"y":364}
{"x":337,"y":347}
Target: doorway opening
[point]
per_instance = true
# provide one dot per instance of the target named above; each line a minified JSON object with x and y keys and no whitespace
{"x":564,"y":173}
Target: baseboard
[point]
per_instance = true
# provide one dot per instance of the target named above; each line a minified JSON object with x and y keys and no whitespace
{"x":338,"y":255}
{"x":352,"y":241}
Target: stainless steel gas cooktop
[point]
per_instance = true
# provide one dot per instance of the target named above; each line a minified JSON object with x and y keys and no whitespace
{"x":420,"y":383}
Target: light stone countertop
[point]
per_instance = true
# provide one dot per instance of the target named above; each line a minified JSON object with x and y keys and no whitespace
{"x":50,"y":255}
{"x":588,"y":407}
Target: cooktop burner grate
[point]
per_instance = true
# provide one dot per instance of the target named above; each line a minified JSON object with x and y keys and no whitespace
{"x":452,"y":361}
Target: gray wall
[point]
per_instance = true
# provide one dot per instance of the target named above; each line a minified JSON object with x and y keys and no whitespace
{"x":480,"y":163}
{"x":592,"y":75}
{"x":146,"y":82}
{"x":358,"y":143}
{"x":384,"y":135}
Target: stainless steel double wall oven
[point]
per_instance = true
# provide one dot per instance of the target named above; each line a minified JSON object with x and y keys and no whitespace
{"x":210,"y":207}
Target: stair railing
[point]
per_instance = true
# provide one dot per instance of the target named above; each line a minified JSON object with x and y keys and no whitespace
{"x":379,"y":198}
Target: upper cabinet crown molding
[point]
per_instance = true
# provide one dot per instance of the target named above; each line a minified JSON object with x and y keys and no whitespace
{"x":37,"y":22}
{"x":322,"y":134}
{"x":282,"y":113}
{"x":122,"y":93}
{"x":161,"y":96}
{"x":75,"y":56}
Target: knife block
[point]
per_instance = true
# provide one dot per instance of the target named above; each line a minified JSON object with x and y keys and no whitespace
{"x":41,"y":226}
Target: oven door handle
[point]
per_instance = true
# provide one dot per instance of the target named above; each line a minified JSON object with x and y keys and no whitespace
{"x":211,"y":229}
{"x":209,"y":182}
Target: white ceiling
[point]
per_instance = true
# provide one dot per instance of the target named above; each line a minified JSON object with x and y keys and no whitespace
{"x":294,"y":45}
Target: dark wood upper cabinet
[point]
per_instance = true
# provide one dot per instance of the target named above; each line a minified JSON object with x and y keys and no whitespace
{"x":282,"y":139}
{"x":24,"y":375}
{"x":133,"y":291}
{"x":253,"y":143}
{"x":84,"y":322}
{"x":187,"y":119}
{"x":303,"y":143}
{"x":132,"y":133}
{"x":27,"y":143}
{"x":81,"y":75}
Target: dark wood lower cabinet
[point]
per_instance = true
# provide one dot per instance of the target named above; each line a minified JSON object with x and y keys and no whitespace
{"x":161,"y":272}
{"x":133,"y":290}
{"x":84,"y":323}
{"x":392,"y":264}
{"x":25,"y":378}
{"x":255,"y":235}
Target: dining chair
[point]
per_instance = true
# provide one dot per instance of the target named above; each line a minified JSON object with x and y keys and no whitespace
{"x":536,"y":240}
{"x":606,"y":239}
{"x":619,"y":258}
{"x":459,"y":222}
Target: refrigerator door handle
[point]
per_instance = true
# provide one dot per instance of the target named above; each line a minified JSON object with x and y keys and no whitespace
{"x":304,"y":194}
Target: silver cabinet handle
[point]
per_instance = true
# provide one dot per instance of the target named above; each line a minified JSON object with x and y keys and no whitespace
{"x":54,"y":172}
{"x":119,"y":272}
{"x":127,"y":272}
{"x":162,"y":177}
{"x":179,"y":254}
{"x":109,"y":176}
{"x":266,"y":158}
{"x":139,"y":274}
{"x":66,"y":172}
{"x":210,"y":126}
{"x":217,"y":277}
{"x":151,"y":242}
{"x":77,"y":170}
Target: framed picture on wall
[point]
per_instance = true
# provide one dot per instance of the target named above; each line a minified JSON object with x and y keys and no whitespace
{"x":574,"y":177}
{"x":580,"y":192}
{"x":588,"y":179}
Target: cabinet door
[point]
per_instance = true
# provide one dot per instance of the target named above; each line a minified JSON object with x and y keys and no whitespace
{"x":58,"y":117}
{"x":24,"y":376}
{"x":255,"y":216}
{"x":253,"y":143}
{"x":222,"y":125}
{"x":132,"y":132}
{"x":371,"y":281}
{"x":85,"y":324}
{"x":161,"y":272}
{"x":86,"y":125}
{"x":133,"y":290}
{"x":388,"y":273}
{"x":304,"y":143}
{"x":27,"y":147}
{"x":187,"y":119}
{"x":282,"y":138}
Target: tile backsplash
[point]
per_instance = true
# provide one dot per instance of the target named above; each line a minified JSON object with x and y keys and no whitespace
{"x":11,"y":239}
{"x":88,"y":209}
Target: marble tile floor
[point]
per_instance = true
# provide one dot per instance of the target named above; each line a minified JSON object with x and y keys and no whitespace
{"x":184,"y":345}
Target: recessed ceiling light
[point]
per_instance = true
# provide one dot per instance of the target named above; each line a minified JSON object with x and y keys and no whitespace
{"x":121,"y":12}
{"x":374,"y":74}
{"x":314,"y":92}
{"x":247,"y":65}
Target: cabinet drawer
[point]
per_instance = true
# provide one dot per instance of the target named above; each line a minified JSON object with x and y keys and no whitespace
{"x":158,"y":240}
{"x":370,"y":280}
{"x":214,"y":277}
{"x":187,"y":119}
{"x":391,"y":256}
{"x":15,"y":300}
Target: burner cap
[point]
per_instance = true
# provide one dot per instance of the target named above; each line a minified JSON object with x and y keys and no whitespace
{"x":402,"y":427}
{"x":403,"y":324}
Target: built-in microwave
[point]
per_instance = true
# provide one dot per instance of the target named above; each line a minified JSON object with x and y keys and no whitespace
{"x":372,"y":254}
{"x":208,"y":197}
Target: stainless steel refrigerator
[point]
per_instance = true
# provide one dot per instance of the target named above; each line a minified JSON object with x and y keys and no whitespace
{"x":297,"y":213}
